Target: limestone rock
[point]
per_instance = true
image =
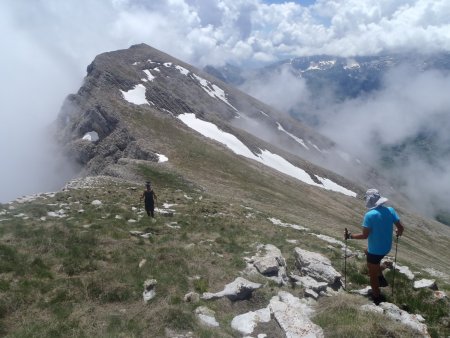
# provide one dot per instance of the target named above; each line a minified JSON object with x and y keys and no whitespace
{"x":247,"y":322}
{"x":311,"y":293}
{"x":173,"y":334}
{"x":239,"y":289}
{"x":372,"y":308}
{"x":310,"y":283}
{"x":362,"y":292}
{"x":269,"y":262}
{"x":316,"y":266}
{"x":425,"y":283}
{"x":149,"y":289}
{"x":293,"y":316}
{"x":413,"y":321}
{"x":206,"y":316}
{"x":440,"y":295}
{"x":395,"y":313}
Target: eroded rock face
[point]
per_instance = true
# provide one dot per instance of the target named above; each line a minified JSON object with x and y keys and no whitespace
{"x":239,"y":289}
{"x":316,"y":266}
{"x":293,"y":316}
{"x":93,"y":110}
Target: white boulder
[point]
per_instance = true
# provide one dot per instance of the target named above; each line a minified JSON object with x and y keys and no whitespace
{"x":247,"y":322}
{"x":425,"y":283}
{"x":269,"y":262}
{"x":309,"y":283}
{"x":414,"y":321}
{"x":394,"y":312}
{"x":149,"y":289}
{"x":206,"y":316}
{"x":239,"y":289}
{"x":293,"y":316}
{"x":362,"y":292}
{"x":316,"y":266}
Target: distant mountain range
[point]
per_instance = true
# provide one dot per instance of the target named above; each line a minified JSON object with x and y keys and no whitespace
{"x":332,"y":80}
{"x":350,"y":77}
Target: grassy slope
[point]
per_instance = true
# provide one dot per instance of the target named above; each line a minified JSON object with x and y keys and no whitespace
{"x":79,"y":275}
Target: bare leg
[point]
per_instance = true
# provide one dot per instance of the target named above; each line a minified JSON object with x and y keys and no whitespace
{"x":374,"y":272}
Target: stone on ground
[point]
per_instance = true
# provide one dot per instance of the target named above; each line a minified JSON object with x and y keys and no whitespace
{"x":425,"y":283}
{"x":239,"y":289}
{"x":293,"y":316}
{"x":247,"y":322}
{"x":206,"y":316}
{"x":316,"y":266}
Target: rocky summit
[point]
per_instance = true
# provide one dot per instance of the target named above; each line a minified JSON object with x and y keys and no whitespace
{"x":247,"y":238}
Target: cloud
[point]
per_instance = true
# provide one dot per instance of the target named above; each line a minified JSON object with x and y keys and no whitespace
{"x":400,"y":129}
{"x":411,"y":111}
{"x":47,"y":44}
{"x":280,"y":88}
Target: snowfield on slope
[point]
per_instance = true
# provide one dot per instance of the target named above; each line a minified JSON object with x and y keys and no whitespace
{"x":135,"y":95}
{"x":267,"y":158}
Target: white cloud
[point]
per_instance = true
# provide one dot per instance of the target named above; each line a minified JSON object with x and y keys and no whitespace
{"x":409,"y":105}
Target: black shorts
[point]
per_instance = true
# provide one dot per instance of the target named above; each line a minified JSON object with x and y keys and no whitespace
{"x":374,"y":259}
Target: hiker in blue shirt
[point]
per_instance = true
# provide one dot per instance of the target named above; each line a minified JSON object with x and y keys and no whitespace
{"x":378,"y":226}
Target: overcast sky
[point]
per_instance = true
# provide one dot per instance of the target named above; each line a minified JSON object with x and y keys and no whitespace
{"x":47,"y":44}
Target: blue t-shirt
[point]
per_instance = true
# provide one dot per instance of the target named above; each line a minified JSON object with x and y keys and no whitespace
{"x":380,"y":221}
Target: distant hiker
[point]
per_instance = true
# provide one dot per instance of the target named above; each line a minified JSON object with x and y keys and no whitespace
{"x":377,"y":227}
{"x":150,"y":199}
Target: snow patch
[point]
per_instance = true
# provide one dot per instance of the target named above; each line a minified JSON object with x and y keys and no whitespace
{"x":213,"y":90}
{"x":329,"y":239}
{"x":267,"y":158}
{"x":315,"y":147}
{"x":182,"y":70}
{"x":135,"y":95}
{"x":162,"y":158}
{"x":150,"y":76}
{"x":321,"y":65}
{"x":352,"y":64}
{"x":299,"y":140}
{"x":287,"y":225}
{"x":330,"y":185}
{"x":91,"y":136}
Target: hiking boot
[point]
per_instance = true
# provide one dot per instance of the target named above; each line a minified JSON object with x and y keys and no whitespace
{"x":379,"y":299}
{"x":382,"y":281}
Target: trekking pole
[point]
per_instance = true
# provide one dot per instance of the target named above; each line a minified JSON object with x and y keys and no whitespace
{"x":345,"y":260}
{"x":395,"y":263}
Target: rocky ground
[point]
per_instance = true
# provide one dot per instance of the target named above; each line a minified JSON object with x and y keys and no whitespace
{"x":87,"y":261}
